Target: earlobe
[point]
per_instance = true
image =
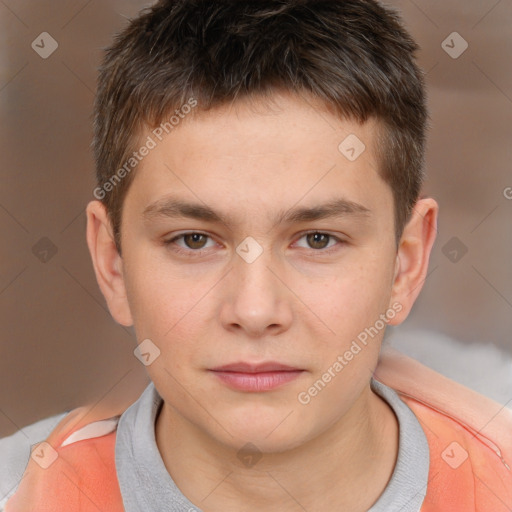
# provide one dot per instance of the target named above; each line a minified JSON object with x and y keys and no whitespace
{"x":413,"y":255}
{"x":107,"y":263}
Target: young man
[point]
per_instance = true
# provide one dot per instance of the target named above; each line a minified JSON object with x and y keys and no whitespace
{"x":258,"y":220}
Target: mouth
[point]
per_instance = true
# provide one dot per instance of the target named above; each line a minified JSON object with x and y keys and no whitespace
{"x":256,"y":377}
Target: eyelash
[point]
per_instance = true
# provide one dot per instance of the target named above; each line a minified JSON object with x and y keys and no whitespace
{"x":197,"y":253}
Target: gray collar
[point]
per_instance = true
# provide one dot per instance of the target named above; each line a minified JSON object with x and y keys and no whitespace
{"x":146,"y":485}
{"x":408,"y":485}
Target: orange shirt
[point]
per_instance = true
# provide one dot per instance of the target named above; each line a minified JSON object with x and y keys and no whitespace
{"x":469,"y":437}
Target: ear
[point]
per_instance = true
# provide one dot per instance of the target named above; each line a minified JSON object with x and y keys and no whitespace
{"x":413,"y":255}
{"x":107,"y":262}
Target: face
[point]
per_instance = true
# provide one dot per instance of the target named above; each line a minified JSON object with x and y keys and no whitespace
{"x":285,"y":255}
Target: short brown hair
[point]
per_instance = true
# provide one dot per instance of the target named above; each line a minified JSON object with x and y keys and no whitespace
{"x":353,"y":55}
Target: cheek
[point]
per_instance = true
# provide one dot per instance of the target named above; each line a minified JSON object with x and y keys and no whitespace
{"x":349,"y":301}
{"x":163,"y":301}
{"x":171,"y":312}
{"x":350,"y":305}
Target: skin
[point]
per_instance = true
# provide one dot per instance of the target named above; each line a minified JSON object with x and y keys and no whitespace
{"x":296,"y":303}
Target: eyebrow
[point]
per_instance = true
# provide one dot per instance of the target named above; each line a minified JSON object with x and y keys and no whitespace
{"x":176,"y":208}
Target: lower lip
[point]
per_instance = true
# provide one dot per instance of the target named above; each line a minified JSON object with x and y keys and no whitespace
{"x":264,"y":381}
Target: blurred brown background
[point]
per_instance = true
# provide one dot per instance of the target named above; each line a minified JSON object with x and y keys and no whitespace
{"x":60,"y":348}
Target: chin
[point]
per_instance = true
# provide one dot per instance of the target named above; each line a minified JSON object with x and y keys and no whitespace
{"x":270,"y":436}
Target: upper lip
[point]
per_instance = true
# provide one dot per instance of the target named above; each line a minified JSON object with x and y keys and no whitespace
{"x":244,"y":367}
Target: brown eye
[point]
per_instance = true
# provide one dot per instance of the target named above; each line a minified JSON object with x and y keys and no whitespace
{"x":195,"y":240}
{"x":190,"y":244}
{"x":320,"y":243}
{"x":318,"y":240}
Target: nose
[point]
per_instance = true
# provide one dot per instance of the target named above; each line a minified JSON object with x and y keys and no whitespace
{"x":256,"y":299}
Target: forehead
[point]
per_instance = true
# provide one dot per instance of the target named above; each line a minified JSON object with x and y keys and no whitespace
{"x":284,"y":125}
{"x":261,"y":155}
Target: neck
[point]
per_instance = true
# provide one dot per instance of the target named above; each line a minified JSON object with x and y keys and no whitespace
{"x":347,"y":467}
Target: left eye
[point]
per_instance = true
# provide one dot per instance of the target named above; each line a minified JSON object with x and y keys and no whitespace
{"x":318,"y":240}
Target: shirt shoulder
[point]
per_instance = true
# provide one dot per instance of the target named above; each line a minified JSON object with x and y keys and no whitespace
{"x":15,"y":453}
{"x":70,"y":450}
{"x":467,"y":469}
{"x":74,"y":456}
{"x":469,"y":437}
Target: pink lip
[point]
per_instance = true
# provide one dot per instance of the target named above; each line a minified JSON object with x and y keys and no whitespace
{"x":242,"y":367}
{"x":256,"y":377}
